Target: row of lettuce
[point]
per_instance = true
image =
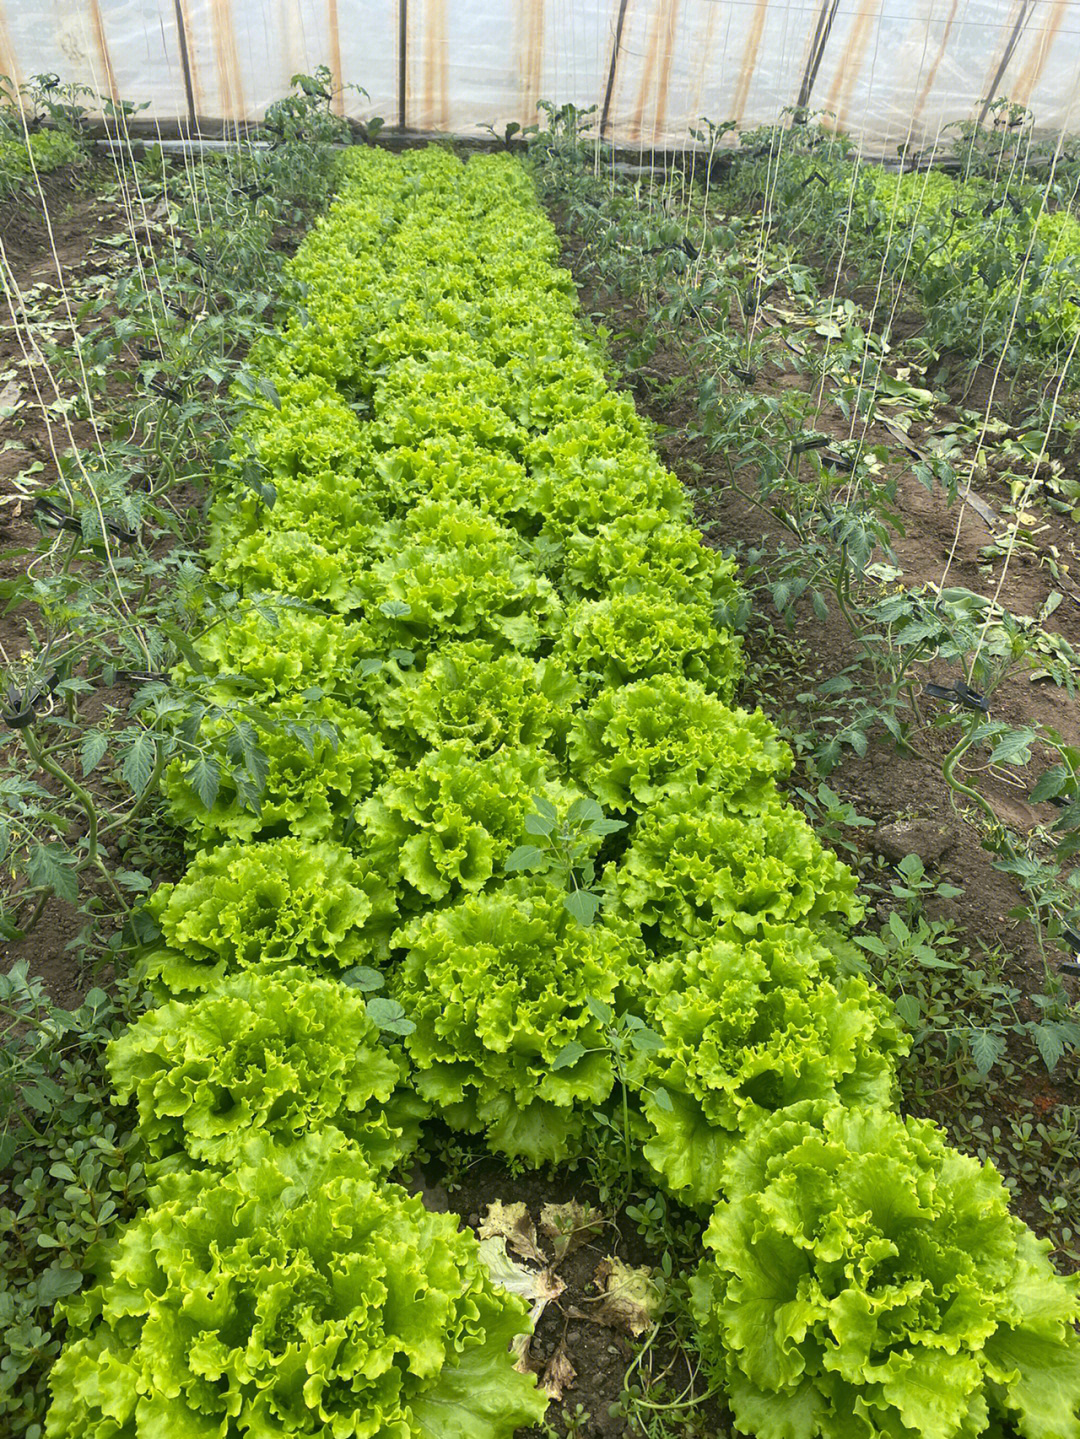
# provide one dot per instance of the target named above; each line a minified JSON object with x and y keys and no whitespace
{"x":517,"y":863}
{"x":993,"y":257}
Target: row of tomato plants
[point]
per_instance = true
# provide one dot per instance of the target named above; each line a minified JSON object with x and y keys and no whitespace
{"x":485,"y":839}
{"x":993,"y":255}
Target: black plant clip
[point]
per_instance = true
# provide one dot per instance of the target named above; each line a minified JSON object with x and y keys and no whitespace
{"x":746,"y":376}
{"x":812,"y":442}
{"x":832,"y":460}
{"x":52,"y":514}
{"x":122,"y":533}
{"x":690,"y":248}
{"x":20,"y":706}
{"x":167,"y":392}
{"x":959,"y":693}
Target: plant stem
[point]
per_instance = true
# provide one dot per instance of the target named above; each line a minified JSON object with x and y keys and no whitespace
{"x":86,"y":804}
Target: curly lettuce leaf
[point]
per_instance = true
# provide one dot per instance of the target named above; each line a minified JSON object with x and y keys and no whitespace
{"x":624,"y":638}
{"x":861,"y":1265}
{"x":657,"y":738}
{"x":273,"y":1052}
{"x":293,"y":1295}
{"x":747,"y":1028}
{"x":691,"y":868}
{"x":499,"y":987}
{"x":274,"y":903}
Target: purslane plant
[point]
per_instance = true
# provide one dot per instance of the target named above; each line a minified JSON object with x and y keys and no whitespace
{"x":295,"y":1295}
{"x":749,"y":1027}
{"x":692,"y":866}
{"x":497,"y":986}
{"x":275,"y":903}
{"x":868,"y":1279}
{"x":275,"y":1052}
{"x":664,"y":736}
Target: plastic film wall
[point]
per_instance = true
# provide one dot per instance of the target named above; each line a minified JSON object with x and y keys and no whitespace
{"x":890,"y":70}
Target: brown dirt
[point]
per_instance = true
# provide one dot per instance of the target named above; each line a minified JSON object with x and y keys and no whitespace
{"x":598,"y":1352}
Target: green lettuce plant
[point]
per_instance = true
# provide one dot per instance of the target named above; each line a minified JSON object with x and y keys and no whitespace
{"x":275,"y":903}
{"x":749,"y":1027}
{"x":868,"y":1279}
{"x":646,"y":551}
{"x":588,"y":497}
{"x":608,"y":428}
{"x":448,"y":469}
{"x":489,"y":701}
{"x":272,"y":1051}
{"x":459,"y":393}
{"x":312,"y":430}
{"x":275,"y":650}
{"x":623,"y":638}
{"x":692,"y":867}
{"x":295,"y":1295}
{"x":498,"y":986}
{"x":661,"y":737}
{"x":293,"y":562}
{"x":448,"y":824}
{"x":447,"y":572}
{"x":322,"y":758}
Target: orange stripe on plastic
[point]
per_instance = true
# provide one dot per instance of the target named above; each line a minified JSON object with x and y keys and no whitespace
{"x":749,"y":59}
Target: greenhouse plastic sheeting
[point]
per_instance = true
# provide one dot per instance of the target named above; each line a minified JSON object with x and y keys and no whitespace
{"x":889,"y":70}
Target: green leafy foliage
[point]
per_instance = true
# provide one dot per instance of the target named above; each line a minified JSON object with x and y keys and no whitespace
{"x":279,"y":902}
{"x":310,"y":763}
{"x":72,"y":1171}
{"x":615,"y":641}
{"x":448,"y":571}
{"x":864,"y":1269}
{"x":647,"y":552}
{"x":447,"y":825}
{"x":273,"y":1052}
{"x":490,"y":701}
{"x":293,"y":1295}
{"x":658,"y":738}
{"x":692,"y":866}
{"x":499,"y":985}
{"x":273,"y":650}
{"x":747,"y":1028}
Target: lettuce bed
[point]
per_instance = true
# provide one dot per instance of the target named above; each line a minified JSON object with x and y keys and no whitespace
{"x":477,"y":606}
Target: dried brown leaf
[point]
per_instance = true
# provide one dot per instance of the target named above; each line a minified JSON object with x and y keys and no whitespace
{"x":513,"y":1223}
{"x":569,"y":1226}
{"x":560,"y":1374}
